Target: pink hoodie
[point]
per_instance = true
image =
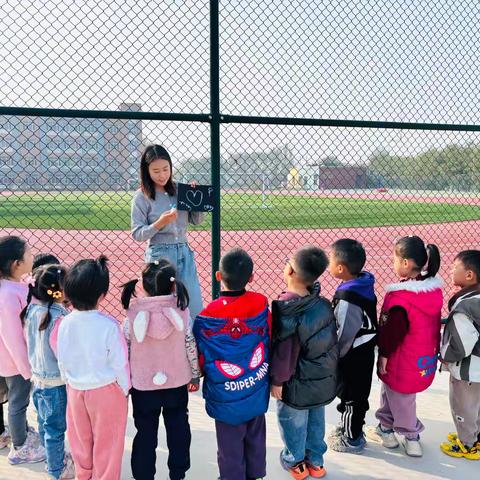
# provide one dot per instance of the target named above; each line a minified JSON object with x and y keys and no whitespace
{"x":13,"y":346}
{"x":158,"y":355}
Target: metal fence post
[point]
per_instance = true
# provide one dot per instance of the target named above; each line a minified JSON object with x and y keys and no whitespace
{"x":215,"y":137}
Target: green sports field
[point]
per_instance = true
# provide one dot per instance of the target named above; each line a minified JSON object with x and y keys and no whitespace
{"x":111,"y":211}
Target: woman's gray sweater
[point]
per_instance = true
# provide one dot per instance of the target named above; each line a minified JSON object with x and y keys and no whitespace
{"x":146,"y":211}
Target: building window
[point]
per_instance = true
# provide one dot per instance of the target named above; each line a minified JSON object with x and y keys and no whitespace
{"x":4,"y":144}
{"x":91,"y":128}
{"x":79,"y":128}
{"x":57,"y":128}
{"x":113,"y":129}
{"x":29,"y":145}
{"x":69,"y":128}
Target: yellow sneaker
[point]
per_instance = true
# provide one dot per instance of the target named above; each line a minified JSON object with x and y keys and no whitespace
{"x":458,"y":450}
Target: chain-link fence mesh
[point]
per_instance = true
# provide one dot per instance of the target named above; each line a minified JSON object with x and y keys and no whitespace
{"x":67,"y":183}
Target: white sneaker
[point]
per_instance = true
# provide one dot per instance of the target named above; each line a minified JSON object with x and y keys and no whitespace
{"x":5,"y":439}
{"x":413,"y":448}
{"x":386,"y":437}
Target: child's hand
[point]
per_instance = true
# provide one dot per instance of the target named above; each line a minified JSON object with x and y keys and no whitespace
{"x":194,"y":385}
{"x":276,"y":391}
{"x":382,"y":365}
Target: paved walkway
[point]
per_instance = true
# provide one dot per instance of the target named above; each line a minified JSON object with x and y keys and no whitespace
{"x":376,"y":463}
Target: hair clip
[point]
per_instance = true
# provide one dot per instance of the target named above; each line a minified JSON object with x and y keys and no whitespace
{"x":59,"y":271}
{"x":156,"y":262}
{"x":172,"y":279}
{"x":56,"y":294}
{"x":52,"y":285}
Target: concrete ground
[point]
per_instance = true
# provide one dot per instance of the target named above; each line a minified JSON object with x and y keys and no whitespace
{"x":375,"y":463}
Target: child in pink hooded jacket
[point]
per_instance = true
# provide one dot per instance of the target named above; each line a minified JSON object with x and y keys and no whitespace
{"x":15,"y":262}
{"x":164,"y":367}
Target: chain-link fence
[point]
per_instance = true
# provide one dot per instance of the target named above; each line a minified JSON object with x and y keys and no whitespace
{"x":314,"y":120}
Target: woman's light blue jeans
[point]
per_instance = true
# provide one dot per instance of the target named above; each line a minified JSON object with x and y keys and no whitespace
{"x":303,"y":433}
{"x":182,"y":257}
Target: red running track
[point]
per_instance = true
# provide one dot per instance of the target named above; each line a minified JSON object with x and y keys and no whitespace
{"x":269,"y":250}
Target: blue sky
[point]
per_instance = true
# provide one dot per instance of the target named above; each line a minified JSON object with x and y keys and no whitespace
{"x":376,"y":60}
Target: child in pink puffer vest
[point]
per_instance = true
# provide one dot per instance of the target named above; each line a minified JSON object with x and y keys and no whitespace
{"x":164,"y":368}
{"x":408,"y":342}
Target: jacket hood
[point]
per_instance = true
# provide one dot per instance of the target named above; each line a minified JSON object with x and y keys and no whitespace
{"x":363,"y":285}
{"x":417,"y":290}
{"x":296,"y":306}
{"x":156,"y":317}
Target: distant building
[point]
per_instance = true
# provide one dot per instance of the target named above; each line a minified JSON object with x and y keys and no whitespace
{"x":340,"y":177}
{"x":46,"y":153}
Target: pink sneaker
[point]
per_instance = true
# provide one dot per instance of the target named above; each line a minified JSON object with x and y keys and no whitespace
{"x":5,"y":439}
{"x":69,"y":469}
{"x":27,"y":453}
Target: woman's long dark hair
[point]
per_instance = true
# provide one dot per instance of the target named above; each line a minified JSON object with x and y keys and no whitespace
{"x":425,"y":257}
{"x":48,"y":288}
{"x":152,"y":153}
{"x":158,"y":278}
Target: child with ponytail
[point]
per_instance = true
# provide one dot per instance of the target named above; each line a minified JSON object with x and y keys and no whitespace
{"x":41,"y":320}
{"x":408,"y":342}
{"x":15,"y":263}
{"x":93,"y":360}
{"x":164,"y":368}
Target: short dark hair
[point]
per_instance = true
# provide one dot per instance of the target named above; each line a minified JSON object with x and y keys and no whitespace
{"x":310,"y":263}
{"x":44,"y":259}
{"x":152,"y":153}
{"x":86,"y":281}
{"x":350,"y":253}
{"x":471,"y":261}
{"x":12,"y":249}
{"x":236,"y":267}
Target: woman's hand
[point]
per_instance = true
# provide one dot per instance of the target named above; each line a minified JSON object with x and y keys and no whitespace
{"x":193,"y":184}
{"x":166,"y":218}
{"x":382,"y":365}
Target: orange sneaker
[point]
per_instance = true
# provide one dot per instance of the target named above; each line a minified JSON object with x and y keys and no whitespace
{"x":298,"y":471}
{"x":316,"y":472}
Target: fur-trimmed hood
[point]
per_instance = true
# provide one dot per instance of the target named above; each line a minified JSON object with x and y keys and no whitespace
{"x":418,"y":292}
{"x":416,"y":286}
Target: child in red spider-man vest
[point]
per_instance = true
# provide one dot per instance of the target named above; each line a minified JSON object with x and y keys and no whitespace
{"x":233,"y":338}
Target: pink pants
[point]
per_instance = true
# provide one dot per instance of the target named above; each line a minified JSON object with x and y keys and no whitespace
{"x":96,"y":423}
{"x":399,"y":411}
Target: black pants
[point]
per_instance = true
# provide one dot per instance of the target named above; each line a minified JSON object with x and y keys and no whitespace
{"x":2,"y":420}
{"x":355,"y":371}
{"x":147,"y":407}
{"x":242,"y":449}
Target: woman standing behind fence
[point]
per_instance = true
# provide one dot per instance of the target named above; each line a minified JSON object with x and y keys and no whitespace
{"x":156,"y":219}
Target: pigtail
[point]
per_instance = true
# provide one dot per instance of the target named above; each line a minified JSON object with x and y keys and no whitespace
{"x":102,"y":260}
{"x":183,"y":298}
{"x":127,"y":292}
{"x":23,"y":313}
{"x":433,"y":263}
{"x":48,"y":316}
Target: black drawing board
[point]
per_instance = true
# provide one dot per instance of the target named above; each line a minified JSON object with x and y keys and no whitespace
{"x":195,"y":199}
